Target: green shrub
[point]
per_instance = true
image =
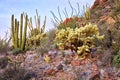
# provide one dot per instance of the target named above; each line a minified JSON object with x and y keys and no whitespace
{"x":16,"y":51}
{"x":116,"y":60}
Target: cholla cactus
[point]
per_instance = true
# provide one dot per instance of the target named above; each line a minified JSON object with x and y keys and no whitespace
{"x":80,"y":39}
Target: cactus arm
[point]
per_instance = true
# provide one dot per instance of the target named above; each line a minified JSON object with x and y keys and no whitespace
{"x":21,"y":26}
{"x":37,"y":20}
{"x":24,"y":35}
{"x":17,"y":32}
{"x":30,"y":24}
{"x":12,"y":30}
{"x":43,"y":27}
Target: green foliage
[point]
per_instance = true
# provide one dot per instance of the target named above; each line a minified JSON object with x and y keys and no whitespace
{"x":16,"y":51}
{"x":36,"y":34}
{"x":116,"y":60}
{"x":80,"y":39}
{"x":116,"y":40}
{"x":18,"y":35}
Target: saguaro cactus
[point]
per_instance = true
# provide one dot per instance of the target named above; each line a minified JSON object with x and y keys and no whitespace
{"x":18,"y":36}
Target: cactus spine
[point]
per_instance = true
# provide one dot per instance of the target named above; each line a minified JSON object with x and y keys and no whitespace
{"x":19,"y":39}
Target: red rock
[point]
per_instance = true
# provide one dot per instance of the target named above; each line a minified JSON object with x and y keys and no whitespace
{"x":97,"y":3}
{"x":57,"y":60}
{"x":49,"y":72}
{"x":75,"y":62}
{"x":95,"y":76}
{"x":108,"y":19}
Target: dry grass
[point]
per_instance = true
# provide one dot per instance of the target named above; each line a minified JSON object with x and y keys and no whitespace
{"x":4,"y":44}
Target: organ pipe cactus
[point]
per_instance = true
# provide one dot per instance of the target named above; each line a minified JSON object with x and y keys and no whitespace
{"x":18,"y":36}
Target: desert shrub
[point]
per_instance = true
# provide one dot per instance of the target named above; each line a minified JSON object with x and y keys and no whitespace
{"x":116,"y":41}
{"x":80,"y":39}
{"x":17,"y":74}
{"x":48,"y":42}
{"x":117,"y":5}
{"x":71,"y":19}
{"x":111,"y":37}
{"x":4,"y":44}
{"x":116,"y":60}
{"x":13,"y":71}
{"x":3,"y":62}
{"x":36,"y":34}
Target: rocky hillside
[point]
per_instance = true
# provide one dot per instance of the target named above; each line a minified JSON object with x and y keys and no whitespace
{"x":54,"y":64}
{"x":105,"y":11}
{"x":106,"y":14}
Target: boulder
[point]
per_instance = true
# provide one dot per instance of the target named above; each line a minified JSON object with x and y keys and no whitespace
{"x":97,"y":3}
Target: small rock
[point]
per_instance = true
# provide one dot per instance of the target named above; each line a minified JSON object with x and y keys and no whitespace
{"x":32,"y":79}
{"x":118,"y":74}
{"x":67,"y":68}
{"x":108,"y":7}
{"x":68,"y":52}
{"x":52,"y":52}
{"x":75,"y":62}
{"x":99,"y":63}
{"x":49,"y":72}
{"x":30,"y":75}
{"x":3,"y":62}
{"x":60,"y":67}
{"x":45,"y":66}
{"x":95,"y":76}
{"x":110,"y":20}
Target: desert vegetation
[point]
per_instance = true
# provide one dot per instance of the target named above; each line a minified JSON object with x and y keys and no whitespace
{"x":79,"y":47}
